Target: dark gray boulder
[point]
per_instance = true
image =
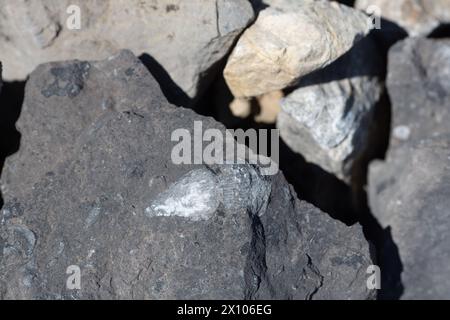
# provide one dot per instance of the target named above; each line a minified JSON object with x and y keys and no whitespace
{"x":409,"y":192}
{"x":64,"y":98}
{"x":141,"y":227}
{"x":327,"y":118}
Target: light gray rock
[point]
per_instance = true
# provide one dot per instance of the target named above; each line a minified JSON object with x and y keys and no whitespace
{"x":289,"y":41}
{"x":140,"y":226}
{"x":417,"y":17}
{"x":327,"y":118}
{"x":410,"y":191}
{"x":186,"y":38}
{"x":62,"y":100}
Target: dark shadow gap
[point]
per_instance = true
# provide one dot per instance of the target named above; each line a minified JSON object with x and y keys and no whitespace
{"x":11,"y":99}
{"x":174,"y":94}
{"x":441,"y":32}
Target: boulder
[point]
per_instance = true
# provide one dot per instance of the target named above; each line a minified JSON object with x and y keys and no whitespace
{"x":410,"y":194}
{"x":62,"y":99}
{"x":327,"y":118}
{"x":138,"y":226}
{"x":289,"y":41}
{"x":410,"y":191}
{"x":417,"y":18}
{"x":418,"y":83}
{"x":182,"y":41}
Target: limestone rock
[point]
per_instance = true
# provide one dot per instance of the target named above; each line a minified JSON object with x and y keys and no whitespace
{"x":327,"y":118}
{"x":139,"y":226}
{"x":62,"y":100}
{"x":185,"y":38}
{"x":287,"y":42}
{"x":417,"y":17}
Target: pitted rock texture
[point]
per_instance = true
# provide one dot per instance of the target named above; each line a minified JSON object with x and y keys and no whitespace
{"x":327,"y":118}
{"x":417,"y":17}
{"x":62,"y":100}
{"x":419,"y":86}
{"x":289,"y":41}
{"x":185,"y":38}
{"x":90,"y":211}
{"x":410,"y":194}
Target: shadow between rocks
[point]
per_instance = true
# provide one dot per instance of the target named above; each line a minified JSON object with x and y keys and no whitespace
{"x":441,"y":32}
{"x":174,"y":94}
{"x":11,"y":99}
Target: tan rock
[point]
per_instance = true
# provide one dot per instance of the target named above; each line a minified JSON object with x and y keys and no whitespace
{"x":270,"y":106}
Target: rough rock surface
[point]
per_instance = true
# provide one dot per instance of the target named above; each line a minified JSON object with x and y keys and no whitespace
{"x":139,"y":226}
{"x":63,"y":99}
{"x":186,"y":38}
{"x":409,"y":192}
{"x":327,"y":118}
{"x":287,"y":42}
{"x":419,"y":86}
{"x":417,"y":17}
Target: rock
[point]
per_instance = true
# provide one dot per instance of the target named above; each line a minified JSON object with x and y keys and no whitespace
{"x":139,"y":226}
{"x":269,"y":107}
{"x":418,"y":18}
{"x":409,"y":193}
{"x":328,"y":117}
{"x":261,"y":109}
{"x":62,"y":100}
{"x":287,"y":42}
{"x":1,"y":82}
{"x":180,"y":40}
{"x":419,"y":87}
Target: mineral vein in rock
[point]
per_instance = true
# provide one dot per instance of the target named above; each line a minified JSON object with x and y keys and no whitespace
{"x":199,"y":193}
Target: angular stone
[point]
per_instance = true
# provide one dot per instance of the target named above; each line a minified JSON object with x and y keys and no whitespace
{"x":185,"y":38}
{"x":139,"y":226}
{"x":418,"y":18}
{"x":61,"y":101}
{"x":419,"y":87}
{"x":327,"y":118}
{"x":287,"y":42}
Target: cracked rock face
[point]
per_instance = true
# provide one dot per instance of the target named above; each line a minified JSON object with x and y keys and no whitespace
{"x":417,"y":17}
{"x":327,"y":117}
{"x":62,"y":100}
{"x":409,"y":192}
{"x":290,"y":40}
{"x":141,"y":227}
{"x":186,"y":38}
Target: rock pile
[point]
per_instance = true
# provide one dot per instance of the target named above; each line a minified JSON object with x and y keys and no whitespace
{"x":94,"y":205}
